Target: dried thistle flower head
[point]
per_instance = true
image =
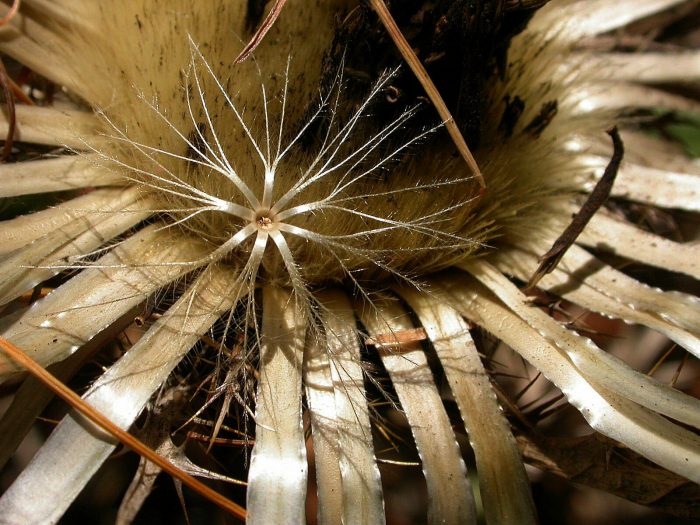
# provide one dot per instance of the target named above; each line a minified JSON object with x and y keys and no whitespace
{"x":301,"y":220}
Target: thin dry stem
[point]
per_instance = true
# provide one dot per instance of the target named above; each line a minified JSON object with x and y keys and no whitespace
{"x":70,"y":397}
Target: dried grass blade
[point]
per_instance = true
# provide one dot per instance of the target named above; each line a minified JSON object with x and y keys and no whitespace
{"x":609,"y":234}
{"x":261,"y":31}
{"x":363,"y":501}
{"x":74,"y":313}
{"x":645,"y":432}
{"x":450,"y":496}
{"x":278,"y":466}
{"x":596,"y":365}
{"x":59,"y":174}
{"x":324,"y":428}
{"x":503,"y":482}
{"x":52,"y":127}
{"x":422,"y":75}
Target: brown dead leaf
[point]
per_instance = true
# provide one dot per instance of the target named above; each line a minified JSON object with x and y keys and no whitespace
{"x":601,"y":463}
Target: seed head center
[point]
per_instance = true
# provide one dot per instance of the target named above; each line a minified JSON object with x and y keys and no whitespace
{"x":264,"y":219}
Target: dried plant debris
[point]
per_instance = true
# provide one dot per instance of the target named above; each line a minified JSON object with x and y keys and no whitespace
{"x":603,"y":464}
{"x":595,"y":200}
